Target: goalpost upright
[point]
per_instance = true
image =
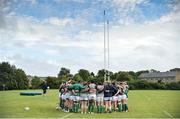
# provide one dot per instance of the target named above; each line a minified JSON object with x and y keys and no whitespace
{"x":106,"y":50}
{"x":104,"y":46}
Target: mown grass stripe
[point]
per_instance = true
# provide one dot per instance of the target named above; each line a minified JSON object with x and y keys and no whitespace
{"x":66,"y":115}
{"x":167,"y":113}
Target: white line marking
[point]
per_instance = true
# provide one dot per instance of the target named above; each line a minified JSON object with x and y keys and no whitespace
{"x":167,"y":113}
{"x":67,"y":115}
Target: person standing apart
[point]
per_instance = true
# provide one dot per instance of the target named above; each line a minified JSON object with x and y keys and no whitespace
{"x":44,"y":88}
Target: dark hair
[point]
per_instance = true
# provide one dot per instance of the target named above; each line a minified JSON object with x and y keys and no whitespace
{"x":99,"y":83}
{"x":78,"y":81}
{"x":85,"y":83}
{"x":92,"y":81}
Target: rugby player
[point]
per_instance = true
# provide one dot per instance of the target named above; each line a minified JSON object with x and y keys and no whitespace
{"x":92,"y":97}
{"x":100,"y":97}
{"x":84,"y":98}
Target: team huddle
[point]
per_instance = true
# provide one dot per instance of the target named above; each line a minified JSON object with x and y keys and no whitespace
{"x":86,"y":96}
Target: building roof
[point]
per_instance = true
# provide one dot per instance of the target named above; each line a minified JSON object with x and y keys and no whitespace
{"x":157,"y":75}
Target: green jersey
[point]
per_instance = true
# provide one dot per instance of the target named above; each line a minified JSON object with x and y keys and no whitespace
{"x":77,"y":88}
{"x":85,"y":90}
{"x":126,"y":90}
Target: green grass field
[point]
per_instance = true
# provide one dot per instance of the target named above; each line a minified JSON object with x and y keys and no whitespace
{"x":142,"y":103}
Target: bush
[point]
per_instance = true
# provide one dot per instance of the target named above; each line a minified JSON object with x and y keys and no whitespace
{"x":173,"y":86}
{"x":141,"y":84}
{"x":123,"y":76}
{"x":36,"y":83}
{"x":158,"y":85}
{"x":53,"y":82}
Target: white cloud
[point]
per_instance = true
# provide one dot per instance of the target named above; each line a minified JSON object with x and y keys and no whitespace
{"x":131,"y":4}
{"x":60,"y":22}
{"x":32,"y":1}
{"x":52,"y":43}
{"x":31,"y":66}
{"x":149,"y":45}
{"x":128,"y":11}
{"x":78,"y":1}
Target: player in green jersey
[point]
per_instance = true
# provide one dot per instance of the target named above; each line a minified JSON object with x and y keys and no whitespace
{"x":84,"y":98}
{"x":125,"y":98}
{"x":100,"y":97}
{"x":92,"y":97}
{"x":76,"y":89}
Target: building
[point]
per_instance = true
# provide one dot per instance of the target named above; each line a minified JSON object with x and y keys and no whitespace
{"x":166,"y":77}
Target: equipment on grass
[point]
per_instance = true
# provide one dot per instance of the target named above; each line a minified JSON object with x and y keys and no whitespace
{"x":30,"y":93}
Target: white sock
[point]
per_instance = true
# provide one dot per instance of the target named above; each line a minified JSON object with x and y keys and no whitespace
{"x":110,"y":108}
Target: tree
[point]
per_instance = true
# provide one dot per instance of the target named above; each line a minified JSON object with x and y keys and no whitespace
{"x":175,"y":69}
{"x":142,"y":71}
{"x":123,"y":76}
{"x":12,"y":78}
{"x":100,"y":75}
{"x":6,"y":75}
{"x":85,"y":74}
{"x":133,"y":75}
{"x":153,"y":70}
{"x":114,"y":76}
{"x":92,"y":74}
{"x":21,"y":79}
{"x":53,"y":82}
{"x":64,"y":74}
{"x":77,"y":77}
{"x":36,"y":82}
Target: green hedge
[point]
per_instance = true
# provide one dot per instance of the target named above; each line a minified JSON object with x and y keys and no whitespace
{"x":140,"y":84}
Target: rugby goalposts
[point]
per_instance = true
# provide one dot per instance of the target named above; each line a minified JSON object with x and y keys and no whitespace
{"x":106,"y":49}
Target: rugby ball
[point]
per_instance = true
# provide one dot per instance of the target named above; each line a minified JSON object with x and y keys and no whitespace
{"x":26,"y":108}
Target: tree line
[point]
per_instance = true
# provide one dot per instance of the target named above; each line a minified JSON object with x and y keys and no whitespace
{"x":15,"y":78}
{"x":12,"y":77}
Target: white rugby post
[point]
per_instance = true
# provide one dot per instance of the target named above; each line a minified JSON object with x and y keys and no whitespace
{"x":106,"y":50}
{"x":104,"y":46}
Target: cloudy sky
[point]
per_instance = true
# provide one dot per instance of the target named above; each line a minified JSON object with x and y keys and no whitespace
{"x":41,"y":36}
